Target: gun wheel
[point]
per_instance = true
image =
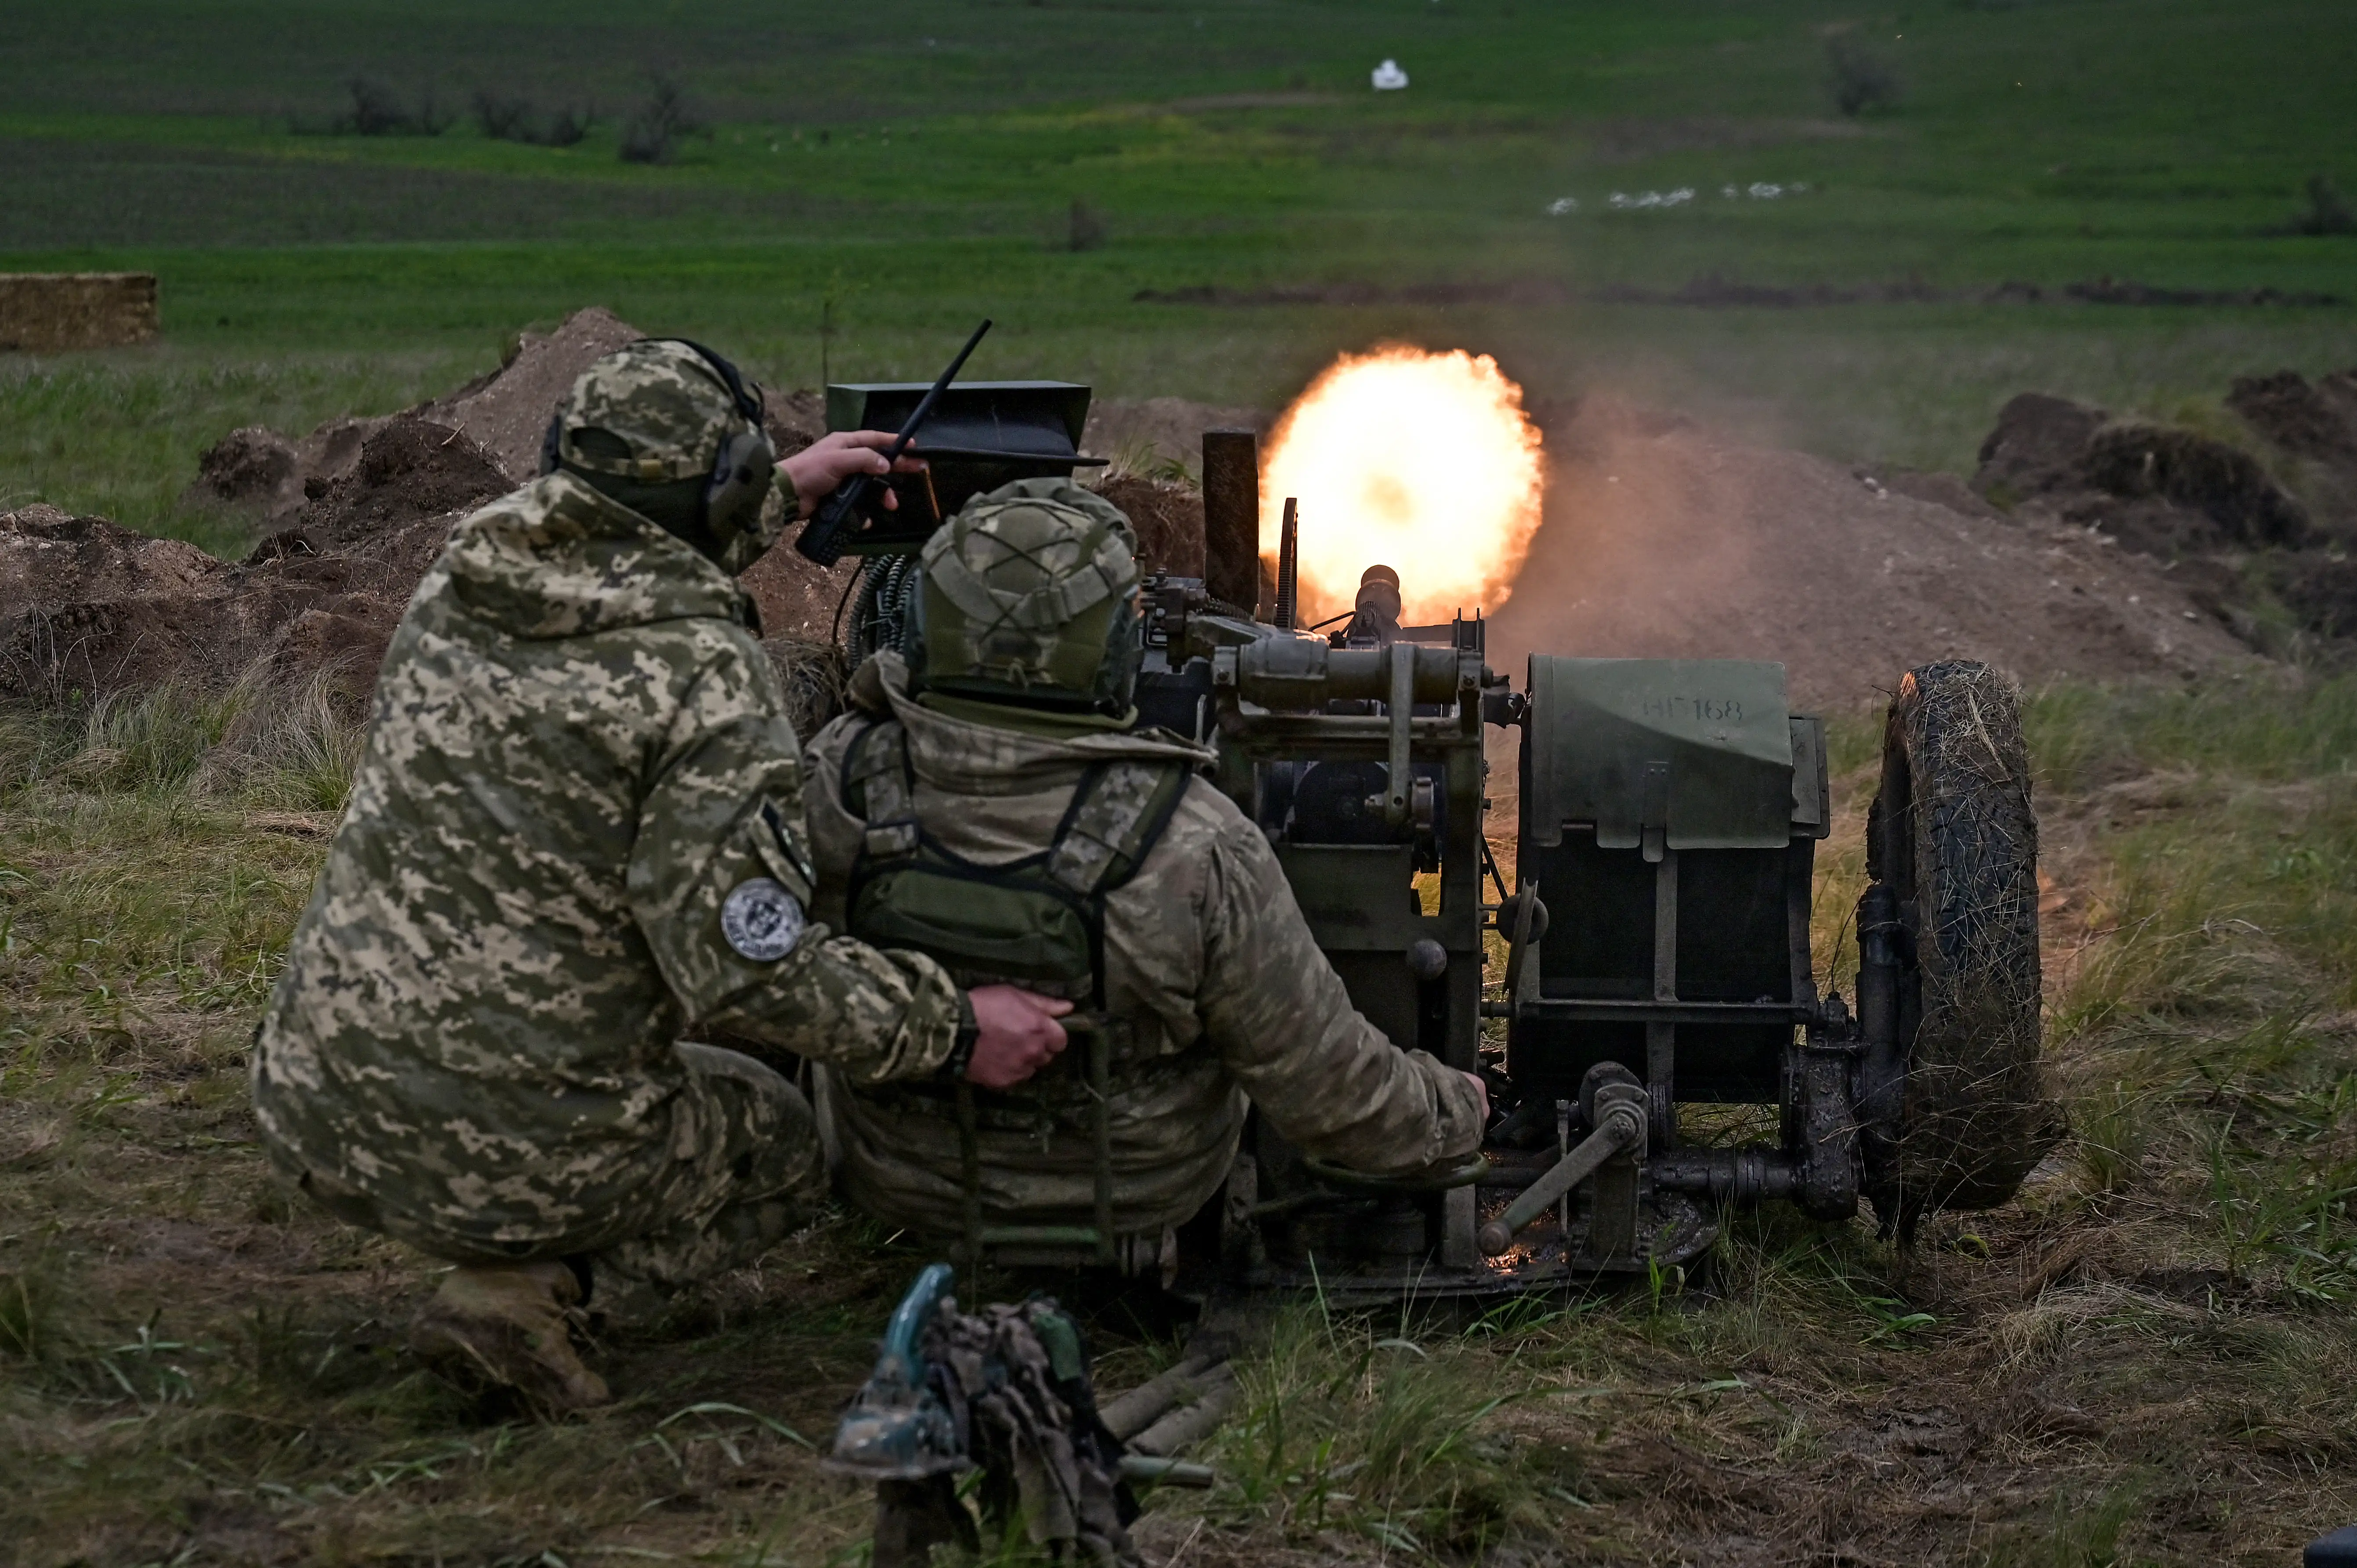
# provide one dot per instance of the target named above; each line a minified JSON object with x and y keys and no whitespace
{"x":1952,"y":833}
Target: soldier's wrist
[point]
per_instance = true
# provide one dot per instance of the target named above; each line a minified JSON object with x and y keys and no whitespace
{"x":962,"y":1044}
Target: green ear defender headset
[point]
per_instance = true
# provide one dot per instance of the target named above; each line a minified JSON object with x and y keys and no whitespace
{"x":741,"y":468}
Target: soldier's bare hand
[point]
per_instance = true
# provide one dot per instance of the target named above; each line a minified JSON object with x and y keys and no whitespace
{"x":1019,"y":1034}
{"x":818,"y":468}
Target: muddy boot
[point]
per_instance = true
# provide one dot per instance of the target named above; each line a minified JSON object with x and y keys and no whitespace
{"x":508,"y":1326}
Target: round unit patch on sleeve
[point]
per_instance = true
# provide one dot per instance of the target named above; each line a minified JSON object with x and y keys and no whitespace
{"x":762,"y":920}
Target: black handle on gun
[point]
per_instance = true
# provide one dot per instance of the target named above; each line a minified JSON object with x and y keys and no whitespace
{"x":822,"y":538}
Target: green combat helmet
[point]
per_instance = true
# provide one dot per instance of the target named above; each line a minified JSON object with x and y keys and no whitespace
{"x":669,"y":429}
{"x":1030,"y":598}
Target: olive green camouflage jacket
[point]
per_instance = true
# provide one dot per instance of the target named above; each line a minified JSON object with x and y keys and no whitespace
{"x":578,"y":756}
{"x":1209,"y":968}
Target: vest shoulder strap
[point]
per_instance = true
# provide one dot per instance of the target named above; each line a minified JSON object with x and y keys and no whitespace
{"x":879,"y":787}
{"x":1117,"y":814}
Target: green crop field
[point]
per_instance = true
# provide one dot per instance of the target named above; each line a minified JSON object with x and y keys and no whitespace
{"x":898,"y":180}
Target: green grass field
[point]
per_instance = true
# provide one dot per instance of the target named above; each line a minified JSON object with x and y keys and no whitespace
{"x":903,"y":180}
{"x":2143,"y":1360}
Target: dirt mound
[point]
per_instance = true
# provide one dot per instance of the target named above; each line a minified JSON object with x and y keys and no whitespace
{"x":797,"y":596}
{"x":1168,"y":516}
{"x":294,"y":618}
{"x":273,"y":475}
{"x":2317,"y":420}
{"x":317,"y":598}
{"x":2264,"y":559}
{"x":2035,"y":447}
{"x":2137,"y":461}
{"x":1940,"y":489}
{"x":2320,"y":589}
{"x":251,"y":466}
{"x":294,"y":624}
{"x":794,"y":419}
{"x":407,"y":470}
{"x":2315,"y":429}
{"x":503,"y":415}
{"x":1662,"y":540}
{"x":48,"y":559}
{"x":2161,"y":490}
{"x":507,"y":412}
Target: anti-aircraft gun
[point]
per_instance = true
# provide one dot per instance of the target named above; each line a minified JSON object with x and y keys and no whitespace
{"x":1641,"y":993}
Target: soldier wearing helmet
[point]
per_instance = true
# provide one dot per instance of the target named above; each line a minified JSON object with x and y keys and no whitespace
{"x":577,"y":835}
{"x":990,"y":802}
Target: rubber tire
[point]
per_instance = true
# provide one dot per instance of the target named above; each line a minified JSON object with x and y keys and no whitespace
{"x":1951,"y":831}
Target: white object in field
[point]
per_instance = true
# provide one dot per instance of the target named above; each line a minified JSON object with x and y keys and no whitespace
{"x":1389,"y":77}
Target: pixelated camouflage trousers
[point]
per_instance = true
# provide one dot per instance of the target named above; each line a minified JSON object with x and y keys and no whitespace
{"x":754,"y":1172}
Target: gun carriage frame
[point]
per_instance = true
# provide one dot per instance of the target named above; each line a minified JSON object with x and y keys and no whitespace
{"x":1655,"y":944}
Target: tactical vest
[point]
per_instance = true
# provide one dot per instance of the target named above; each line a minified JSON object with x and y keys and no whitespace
{"x":1036,"y":922}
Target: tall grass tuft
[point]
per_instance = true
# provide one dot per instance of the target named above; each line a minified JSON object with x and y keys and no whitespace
{"x":257,"y":743}
{"x":154,"y":850}
{"x":293,"y":747}
{"x":1345,"y":1427}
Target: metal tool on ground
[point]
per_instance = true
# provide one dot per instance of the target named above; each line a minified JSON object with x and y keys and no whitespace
{"x":1006,"y":1390}
{"x":902,"y":1434}
{"x":899,"y":1427}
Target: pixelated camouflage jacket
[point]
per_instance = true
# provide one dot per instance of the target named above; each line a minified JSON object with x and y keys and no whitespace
{"x":579,"y":752}
{"x":1220,"y":988}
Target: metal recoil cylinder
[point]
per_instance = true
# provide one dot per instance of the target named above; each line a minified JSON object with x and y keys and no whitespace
{"x":1294,"y":674}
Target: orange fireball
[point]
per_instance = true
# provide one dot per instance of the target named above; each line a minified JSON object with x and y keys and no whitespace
{"x":1422,"y":462}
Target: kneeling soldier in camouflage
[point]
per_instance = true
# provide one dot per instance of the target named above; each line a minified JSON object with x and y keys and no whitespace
{"x":577,"y":831}
{"x":990,"y":802}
